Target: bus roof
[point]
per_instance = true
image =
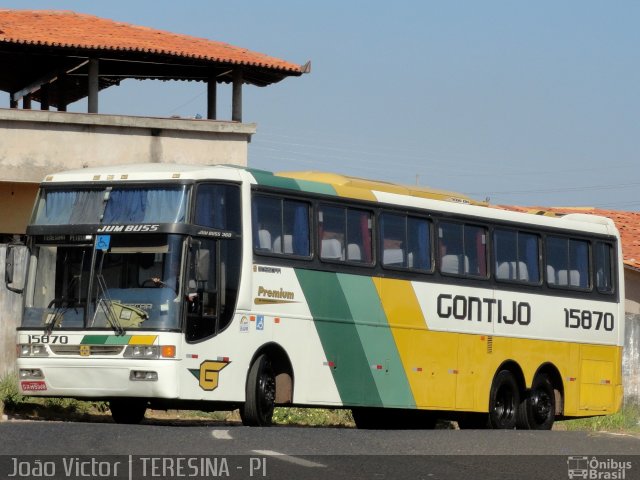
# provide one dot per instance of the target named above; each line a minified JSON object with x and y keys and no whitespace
{"x":335,"y":185}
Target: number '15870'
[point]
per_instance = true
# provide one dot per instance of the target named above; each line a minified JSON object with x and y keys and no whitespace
{"x":587,"y":319}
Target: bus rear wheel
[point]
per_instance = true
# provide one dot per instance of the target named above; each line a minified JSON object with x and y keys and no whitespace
{"x":258,"y":407}
{"x":127,"y":410}
{"x":538,"y":409}
{"x":504,"y":401}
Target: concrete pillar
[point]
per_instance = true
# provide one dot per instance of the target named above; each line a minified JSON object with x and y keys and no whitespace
{"x":94,"y":86}
{"x":236,"y":107}
{"x":61,"y":93}
{"x":212,"y":94}
{"x":44,"y":96}
{"x":12,"y":103}
{"x":26,"y":102}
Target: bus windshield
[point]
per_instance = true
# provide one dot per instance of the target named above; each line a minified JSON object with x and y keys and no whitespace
{"x":121,"y":205}
{"x":134,"y":284}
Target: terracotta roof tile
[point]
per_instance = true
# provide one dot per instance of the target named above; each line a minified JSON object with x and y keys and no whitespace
{"x":628,"y":223}
{"x":66,"y":29}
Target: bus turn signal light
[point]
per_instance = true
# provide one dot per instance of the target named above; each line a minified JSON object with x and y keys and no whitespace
{"x":168,"y":351}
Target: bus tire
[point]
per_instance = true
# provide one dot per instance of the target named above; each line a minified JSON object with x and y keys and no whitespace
{"x":129,"y":411}
{"x":257,"y":410}
{"x":504,"y":401}
{"x":538,"y":409}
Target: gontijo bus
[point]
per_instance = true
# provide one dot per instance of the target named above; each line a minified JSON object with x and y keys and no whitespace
{"x":222,"y":287}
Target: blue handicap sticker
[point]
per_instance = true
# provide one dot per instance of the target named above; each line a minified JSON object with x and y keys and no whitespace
{"x":103,"y":242}
{"x":260,"y":322}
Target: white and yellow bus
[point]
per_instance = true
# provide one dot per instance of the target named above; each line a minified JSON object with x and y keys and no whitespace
{"x":220,"y":287}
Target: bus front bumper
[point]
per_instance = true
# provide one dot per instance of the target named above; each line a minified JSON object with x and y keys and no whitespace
{"x":98,"y":378}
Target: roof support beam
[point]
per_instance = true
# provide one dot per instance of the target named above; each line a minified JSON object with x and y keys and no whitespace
{"x":212,"y":94}
{"x":94,"y":85}
{"x":42,"y":82}
{"x":236,"y":105}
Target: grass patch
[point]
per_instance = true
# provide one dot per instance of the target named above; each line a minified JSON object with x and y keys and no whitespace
{"x":316,"y":417}
{"x":626,"y":420}
{"x":10,"y":395}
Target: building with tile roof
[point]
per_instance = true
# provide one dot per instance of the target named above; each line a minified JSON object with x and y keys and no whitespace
{"x":58,"y":57}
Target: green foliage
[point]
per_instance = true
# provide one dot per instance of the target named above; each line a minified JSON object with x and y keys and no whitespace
{"x":10,"y":395}
{"x":317,"y":417}
{"x":627,"y":420}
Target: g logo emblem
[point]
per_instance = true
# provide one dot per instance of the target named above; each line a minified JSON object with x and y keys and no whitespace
{"x":209,"y":373}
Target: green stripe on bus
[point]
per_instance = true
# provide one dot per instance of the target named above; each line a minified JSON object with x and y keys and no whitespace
{"x":118,"y":340}
{"x":377,"y":340}
{"x":267,"y":178}
{"x":339,"y":337}
{"x":105,"y":340}
{"x":94,"y":340}
{"x":316,"y":187}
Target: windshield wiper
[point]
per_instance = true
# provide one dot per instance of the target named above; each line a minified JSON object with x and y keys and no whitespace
{"x":61,"y":306}
{"x":107,"y":305}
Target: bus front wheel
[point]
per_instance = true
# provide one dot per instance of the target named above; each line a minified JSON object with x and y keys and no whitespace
{"x":504,"y":401}
{"x":127,"y":410}
{"x":257,"y":410}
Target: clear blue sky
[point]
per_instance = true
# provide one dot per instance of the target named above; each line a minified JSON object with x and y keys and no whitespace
{"x":527,"y":103}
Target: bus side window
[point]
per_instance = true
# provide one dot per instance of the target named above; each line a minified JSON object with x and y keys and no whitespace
{"x":280,"y":226}
{"x":405,"y":241}
{"x":603,"y":267}
{"x":463,"y":249}
{"x":516,"y":256}
{"x":345,"y":234}
{"x":568,"y":259}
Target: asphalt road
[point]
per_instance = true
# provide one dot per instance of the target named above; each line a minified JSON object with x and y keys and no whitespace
{"x":223,"y":451}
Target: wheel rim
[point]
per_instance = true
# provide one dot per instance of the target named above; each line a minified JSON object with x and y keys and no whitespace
{"x":504,"y":408}
{"x":266,"y":390}
{"x":541,"y":406}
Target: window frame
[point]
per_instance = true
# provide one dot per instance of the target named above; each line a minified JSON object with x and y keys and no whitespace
{"x":612,"y":267}
{"x":487,"y":251}
{"x":310,"y":226}
{"x":406,"y":216}
{"x":539,"y":257}
{"x":372,"y":229}
{"x":568,"y":286}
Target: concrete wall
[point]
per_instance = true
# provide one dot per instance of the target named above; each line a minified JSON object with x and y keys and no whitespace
{"x":16,"y":203}
{"x":35,"y":143}
{"x":631,"y":360}
{"x":632,"y":291}
{"x":10,"y":316}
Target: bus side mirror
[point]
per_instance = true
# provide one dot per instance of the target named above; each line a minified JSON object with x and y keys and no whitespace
{"x":15,"y":267}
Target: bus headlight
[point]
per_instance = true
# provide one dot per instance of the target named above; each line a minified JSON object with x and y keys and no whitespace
{"x":150,"y":352}
{"x":142,"y":351}
{"x":32,"y":350}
